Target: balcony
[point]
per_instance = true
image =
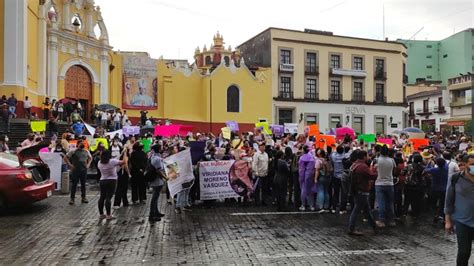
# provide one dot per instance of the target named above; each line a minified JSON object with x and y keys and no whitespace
{"x":380,"y":99}
{"x":311,"y":70}
{"x":311,"y":96}
{"x":458,"y":102}
{"x":287,"y":68}
{"x":335,"y":97}
{"x":439,"y":109}
{"x":423,"y":111}
{"x":358,"y":98}
{"x":380,"y":75}
{"x":348,"y":72}
{"x":285,"y":95}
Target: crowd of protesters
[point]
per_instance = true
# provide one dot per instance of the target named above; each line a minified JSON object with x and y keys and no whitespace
{"x":385,"y":183}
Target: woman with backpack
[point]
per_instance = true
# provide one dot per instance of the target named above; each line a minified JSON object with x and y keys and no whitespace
{"x":415,"y":185}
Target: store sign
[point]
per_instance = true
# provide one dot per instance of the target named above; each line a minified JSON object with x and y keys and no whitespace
{"x":355,"y":110}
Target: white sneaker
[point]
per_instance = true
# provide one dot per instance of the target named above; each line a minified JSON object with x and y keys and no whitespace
{"x":302,"y":208}
{"x":116,"y":207}
{"x":312,"y":209}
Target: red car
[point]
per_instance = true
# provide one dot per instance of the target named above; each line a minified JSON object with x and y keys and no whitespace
{"x":24,"y":178}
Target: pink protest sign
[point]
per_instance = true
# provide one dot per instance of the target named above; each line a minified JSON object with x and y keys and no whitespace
{"x":386,"y":141}
{"x":342,"y":131}
{"x":172,"y":130}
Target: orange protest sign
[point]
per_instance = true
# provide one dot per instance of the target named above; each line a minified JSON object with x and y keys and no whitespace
{"x":313,"y":130}
{"x":417,"y":143}
{"x":325,"y":141}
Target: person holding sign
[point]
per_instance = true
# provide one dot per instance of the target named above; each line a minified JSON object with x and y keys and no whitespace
{"x":79,"y":161}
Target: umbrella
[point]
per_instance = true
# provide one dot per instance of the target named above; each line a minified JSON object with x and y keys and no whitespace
{"x":107,"y":107}
{"x":67,"y":100}
{"x":414,"y":133}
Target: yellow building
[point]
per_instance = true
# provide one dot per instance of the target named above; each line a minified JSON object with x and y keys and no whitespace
{"x":331,"y":80}
{"x":60,"y":49}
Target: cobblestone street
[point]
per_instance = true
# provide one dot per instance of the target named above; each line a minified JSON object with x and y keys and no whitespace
{"x":52,"y":232}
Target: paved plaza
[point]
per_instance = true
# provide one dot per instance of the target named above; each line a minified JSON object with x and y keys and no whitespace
{"x":52,"y":232}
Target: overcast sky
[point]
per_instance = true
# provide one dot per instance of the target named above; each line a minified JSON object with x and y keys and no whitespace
{"x":174,"y":28}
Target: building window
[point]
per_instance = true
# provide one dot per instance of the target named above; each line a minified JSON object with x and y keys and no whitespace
{"x":379,"y":125}
{"x":429,"y":77}
{"x":425,"y":106}
{"x":358,"y":63}
{"x":233,"y":99}
{"x":412,"y":108}
{"x":358,"y":124}
{"x":444,"y":56}
{"x":311,"y":119}
{"x":335,"y":121}
{"x":335,"y":61}
{"x":208,"y":60}
{"x":379,"y":66}
{"x":358,"y":92}
{"x":285,"y":56}
{"x":429,"y":46}
{"x":440,"y":104}
{"x":429,"y":66}
{"x":285,"y":116}
{"x":379,"y":92}
{"x":335,"y":93}
{"x":285,"y":88}
{"x":311,"y":62}
{"x":428,"y":56}
{"x":311,"y":89}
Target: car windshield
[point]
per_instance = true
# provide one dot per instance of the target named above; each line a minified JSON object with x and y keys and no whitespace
{"x":12,"y":160}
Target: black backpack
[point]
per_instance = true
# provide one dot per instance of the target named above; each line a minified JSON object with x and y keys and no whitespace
{"x":349,"y":180}
{"x":150,"y":172}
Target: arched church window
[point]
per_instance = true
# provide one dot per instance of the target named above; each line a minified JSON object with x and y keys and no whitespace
{"x":97,"y":32}
{"x":227,"y":60}
{"x":233,"y":99}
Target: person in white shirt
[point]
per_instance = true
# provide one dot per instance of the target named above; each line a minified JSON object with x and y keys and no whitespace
{"x":124,"y":117}
{"x":260,"y":170}
{"x":453,"y":167}
{"x":27,"y":107}
{"x":103,"y":119}
{"x":117,"y":120}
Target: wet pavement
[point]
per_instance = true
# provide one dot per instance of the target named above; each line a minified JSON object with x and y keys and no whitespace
{"x":52,"y":232}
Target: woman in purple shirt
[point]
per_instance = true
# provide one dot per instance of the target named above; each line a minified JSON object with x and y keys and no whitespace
{"x":306,"y":173}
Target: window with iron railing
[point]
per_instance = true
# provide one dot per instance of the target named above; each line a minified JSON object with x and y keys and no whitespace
{"x":335,"y":61}
{"x":358,"y":95}
{"x":426,"y":106}
{"x":358,"y":63}
{"x":379,"y":65}
{"x":311,"y":90}
{"x":311,"y":62}
{"x":335,"y":93}
{"x":379,"y":92}
{"x":285,"y":91}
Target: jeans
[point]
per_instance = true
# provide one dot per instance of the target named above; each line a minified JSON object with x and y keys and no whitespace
{"x":339,"y":191}
{"x":262,"y":190}
{"x":384,"y":198}
{"x":296,"y":188}
{"x":437,"y":201}
{"x":76,"y":176}
{"x":323,"y":193}
{"x":465,"y":236}
{"x":107,"y":190}
{"x":12,"y":110}
{"x":183,"y":198}
{"x":117,"y":125}
{"x":307,"y":194}
{"x":361,"y":201}
{"x":154,"y":212}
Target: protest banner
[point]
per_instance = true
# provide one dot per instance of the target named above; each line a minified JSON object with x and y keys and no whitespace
{"x":96,"y":142}
{"x":419,"y":143}
{"x":146,"y":144}
{"x":343,"y":131}
{"x":172,"y":130}
{"x":179,"y":171}
{"x":140,"y":83}
{"x":90,"y":128}
{"x":367,"y":138}
{"x":313,"y":130}
{"x":234,"y":126}
{"x":113,"y":133}
{"x":323,"y":141}
{"x":224,"y":179}
{"x":291,"y":128}
{"x":278,"y":130}
{"x":54,"y":161}
{"x":197,"y":150}
{"x":384,"y":141}
{"x":130,"y":130}
{"x":226,"y":132}
{"x":38,"y":126}
{"x":264,"y":126}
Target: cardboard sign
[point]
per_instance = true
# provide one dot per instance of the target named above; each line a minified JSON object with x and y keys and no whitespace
{"x":313,"y":130}
{"x":38,"y":126}
{"x":278,"y":130}
{"x":386,"y":141}
{"x":226,"y":132}
{"x":234,"y":126}
{"x":291,"y":128}
{"x":367,"y":138}
{"x":417,"y":143}
{"x":323,"y":141}
{"x":264,"y":126}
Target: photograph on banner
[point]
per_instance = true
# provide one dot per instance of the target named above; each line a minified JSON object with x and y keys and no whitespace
{"x":140,"y":83}
{"x":179,"y":171}
{"x":224,"y":179}
{"x":278,"y":130}
{"x":291,"y":128}
{"x":131,"y":130}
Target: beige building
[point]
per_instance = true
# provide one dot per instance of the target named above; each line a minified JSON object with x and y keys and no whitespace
{"x":460,"y":93}
{"x":331,"y":80}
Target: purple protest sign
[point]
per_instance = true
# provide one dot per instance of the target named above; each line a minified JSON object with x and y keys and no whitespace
{"x":234,"y":126}
{"x":131,"y":130}
{"x":278,"y":130}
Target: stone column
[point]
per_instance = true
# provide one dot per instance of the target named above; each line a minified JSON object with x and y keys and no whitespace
{"x":42,"y":49}
{"x":53,"y":71}
{"x":15,"y":43}
{"x":66,"y":17}
{"x":104,"y":77}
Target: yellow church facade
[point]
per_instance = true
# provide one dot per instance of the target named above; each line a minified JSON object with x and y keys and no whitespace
{"x":60,"y":49}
